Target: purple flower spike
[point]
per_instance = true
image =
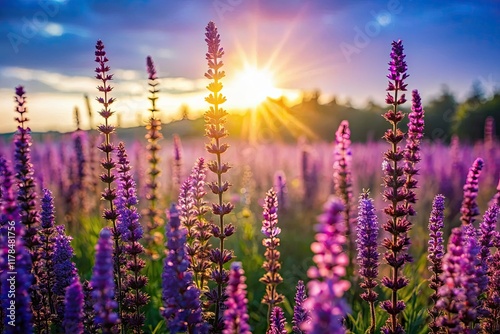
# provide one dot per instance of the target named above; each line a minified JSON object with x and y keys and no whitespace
{"x":181,"y":303}
{"x":327,"y":288}
{"x":301,"y":315}
{"x":491,"y":322}
{"x":487,"y":236}
{"x":278,"y":322}
{"x":236,"y":314}
{"x":8,"y":204}
{"x":397,"y":68}
{"x":435,"y":257}
{"x":469,"y":207}
{"x":103,"y":285}
{"x":368,"y":257}
{"x":73,"y":314}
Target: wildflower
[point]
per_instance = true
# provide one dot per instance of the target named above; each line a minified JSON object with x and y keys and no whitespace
{"x":435,"y":256}
{"x":215,"y":118}
{"x":177,"y":163}
{"x":300,"y":314}
{"x":153,"y":136}
{"x":469,"y":207}
{"x":73,"y":314}
{"x":103,"y":285}
{"x":272,"y":265}
{"x":368,"y":257}
{"x":281,"y":190}
{"x":278,"y":322}
{"x":181,"y":304}
{"x":236,"y":314}
{"x":398,"y":224}
{"x":326,"y":287}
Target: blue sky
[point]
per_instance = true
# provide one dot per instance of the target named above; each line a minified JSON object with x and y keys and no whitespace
{"x":339,"y":47}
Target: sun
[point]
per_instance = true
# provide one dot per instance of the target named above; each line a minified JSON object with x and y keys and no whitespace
{"x":251,"y":86}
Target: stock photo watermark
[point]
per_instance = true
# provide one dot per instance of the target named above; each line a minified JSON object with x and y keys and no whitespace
{"x":10,"y":275}
{"x":365,"y":34}
{"x":222,"y":7}
{"x":32,"y":25}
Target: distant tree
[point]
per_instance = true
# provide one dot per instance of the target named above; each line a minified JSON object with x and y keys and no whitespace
{"x":184,"y":112}
{"x":439,"y":116}
{"x":471,"y":116}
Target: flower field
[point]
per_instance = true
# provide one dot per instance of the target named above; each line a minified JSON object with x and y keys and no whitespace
{"x":219,"y":235}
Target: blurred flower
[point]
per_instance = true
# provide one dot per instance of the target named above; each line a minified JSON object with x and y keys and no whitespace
{"x":103,"y":285}
{"x":73,"y":314}
{"x":236,"y":314}
{"x":326,"y":287}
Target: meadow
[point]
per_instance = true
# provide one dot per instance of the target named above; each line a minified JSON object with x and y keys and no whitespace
{"x":214,"y":235}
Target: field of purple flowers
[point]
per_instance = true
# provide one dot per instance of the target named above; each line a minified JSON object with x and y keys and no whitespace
{"x":223,"y":236}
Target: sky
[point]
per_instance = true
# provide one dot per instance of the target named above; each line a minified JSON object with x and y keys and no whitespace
{"x":339,"y":47}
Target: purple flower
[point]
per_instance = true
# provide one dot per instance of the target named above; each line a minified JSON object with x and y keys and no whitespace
{"x":177,"y":163}
{"x":326,"y":287}
{"x":278,"y":322}
{"x":397,"y":188}
{"x":301,"y":315}
{"x":236,"y":314}
{"x":73,"y":313}
{"x":153,"y":136}
{"x":103,"y":284}
{"x":458,"y":297}
{"x":491,"y":322}
{"x":64,"y":270}
{"x":8,"y":204}
{"x":272,"y":265}
{"x":181,"y":304}
{"x":281,"y":190}
{"x":469,"y":207}
{"x":435,"y":255}
{"x":26,"y":194}
{"x":368,"y":257}
{"x":487,"y":238}
{"x":131,"y":233}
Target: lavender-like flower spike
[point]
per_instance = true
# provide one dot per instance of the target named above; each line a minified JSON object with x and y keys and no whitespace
{"x":177,"y":164}
{"x":236,"y":314}
{"x":215,"y":119}
{"x":326,"y":287}
{"x":491,"y":323}
{"x":281,"y":190}
{"x":342,"y":180}
{"x":398,"y":197}
{"x":496,"y":197}
{"x":73,"y":314}
{"x":301,"y":315}
{"x":272,"y":265}
{"x":108,"y":164}
{"x":278,"y":322}
{"x":103,"y":284}
{"x":26,"y":195}
{"x":131,"y":232}
{"x":487,"y":236}
{"x":469,"y":208}
{"x":8,"y":204}
{"x":435,"y":256}
{"x":181,"y":304}
{"x":153,"y":136}
{"x":368,"y":257}
{"x":458,"y":297}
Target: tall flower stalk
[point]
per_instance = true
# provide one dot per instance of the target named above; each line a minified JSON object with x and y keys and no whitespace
{"x":181,"y":304}
{"x":215,"y":118}
{"x":26,"y":195}
{"x":153,"y":137}
{"x":73,"y":314}
{"x":327,"y":287}
{"x":470,"y":209}
{"x":300,"y":314}
{"x":342,"y":180}
{"x":108,"y":164}
{"x":397,"y":224}
{"x":236,"y":312}
{"x":272,"y":265}
{"x":368,"y":256}
{"x":278,"y":322}
{"x":103,"y":285}
{"x":134,"y":298}
{"x":435,"y":255}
